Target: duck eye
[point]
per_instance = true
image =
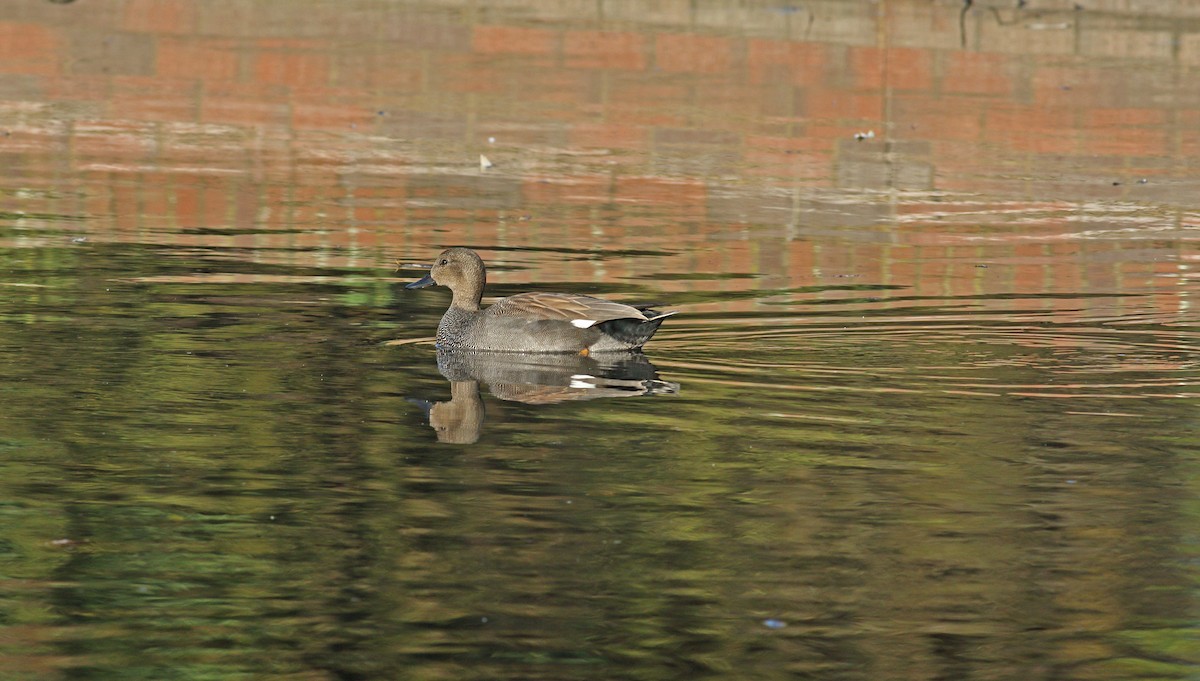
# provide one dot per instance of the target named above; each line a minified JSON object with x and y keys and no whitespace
{"x":444,"y":262}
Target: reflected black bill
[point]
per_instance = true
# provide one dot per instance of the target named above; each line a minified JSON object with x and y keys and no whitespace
{"x":427,"y":280}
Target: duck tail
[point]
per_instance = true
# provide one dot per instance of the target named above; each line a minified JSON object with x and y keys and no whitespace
{"x":634,"y":333}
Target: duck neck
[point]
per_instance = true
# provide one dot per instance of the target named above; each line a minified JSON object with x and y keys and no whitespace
{"x":461,"y":314}
{"x":468,"y":299}
{"x":468,"y":295}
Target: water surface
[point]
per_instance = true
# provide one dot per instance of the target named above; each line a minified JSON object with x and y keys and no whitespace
{"x":928,"y":409}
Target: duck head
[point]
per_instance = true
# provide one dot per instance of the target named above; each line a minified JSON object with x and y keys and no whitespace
{"x":459,"y":269}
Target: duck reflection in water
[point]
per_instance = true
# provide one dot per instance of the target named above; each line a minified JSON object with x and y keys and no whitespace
{"x":533,"y":379}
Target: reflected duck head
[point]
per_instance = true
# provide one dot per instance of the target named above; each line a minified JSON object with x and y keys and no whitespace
{"x":459,"y":421}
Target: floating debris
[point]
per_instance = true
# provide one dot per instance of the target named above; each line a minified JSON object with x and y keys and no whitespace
{"x":868,"y":135}
{"x":411,"y":266}
{"x":484,"y":163}
{"x":774,"y":624}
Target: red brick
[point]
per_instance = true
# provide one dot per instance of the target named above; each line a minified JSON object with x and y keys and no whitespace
{"x":29,"y":49}
{"x":320,"y":94}
{"x":250,"y":111}
{"x":187,"y":202}
{"x":291,"y":44}
{"x":210,"y":205}
{"x":76,"y":88}
{"x":1125,"y":142}
{"x":1038,"y":142}
{"x":402,"y":70}
{"x":513,"y":40}
{"x":728,"y":98}
{"x":693,"y":53}
{"x":302,"y":69}
{"x":604,"y":50}
{"x":837,"y":132}
{"x":150,"y":86}
{"x":572,"y":88}
{"x":1033,"y":129}
{"x":1020,"y":118}
{"x":689,"y":196}
{"x":775,"y":164}
{"x":644,"y":116}
{"x":930,"y":117}
{"x":773,"y":61}
{"x":155,"y":205}
{"x":1063,"y":85}
{"x":644,"y":90}
{"x":977,"y":73}
{"x":1108,"y":118}
{"x":619,"y":135}
{"x":254,"y":92}
{"x":125,"y":203}
{"x":739,"y":256}
{"x":160,"y":16}
{"x":896,"y":68}
{"x":842,"y":105}
{"x":1189,"y":145}
{"x":866,"y":67}
{"x":796,"y":145}
{"x":330,"y":116}
{"x":585,"y":190}
{"x":469,"y":73}
{"x":201,"y":59}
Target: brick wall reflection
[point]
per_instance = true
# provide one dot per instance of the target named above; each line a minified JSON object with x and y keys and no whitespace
{"x":347,"y":132}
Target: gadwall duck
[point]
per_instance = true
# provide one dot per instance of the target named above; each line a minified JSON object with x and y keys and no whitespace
{"x":531,"y":322}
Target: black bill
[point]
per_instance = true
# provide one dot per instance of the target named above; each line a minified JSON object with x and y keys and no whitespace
{"x":427,"y":280}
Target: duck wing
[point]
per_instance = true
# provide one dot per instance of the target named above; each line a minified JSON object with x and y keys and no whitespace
{"x":581,"y":311}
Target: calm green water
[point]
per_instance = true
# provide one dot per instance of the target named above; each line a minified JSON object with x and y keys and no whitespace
{"x":219,"y":480}
{"x":928,"y":409}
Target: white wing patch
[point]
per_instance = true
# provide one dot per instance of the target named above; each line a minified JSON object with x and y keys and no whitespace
{"x":583,"y":323}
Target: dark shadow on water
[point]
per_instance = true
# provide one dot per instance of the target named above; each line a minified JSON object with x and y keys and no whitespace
{"x":536,"y":379}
